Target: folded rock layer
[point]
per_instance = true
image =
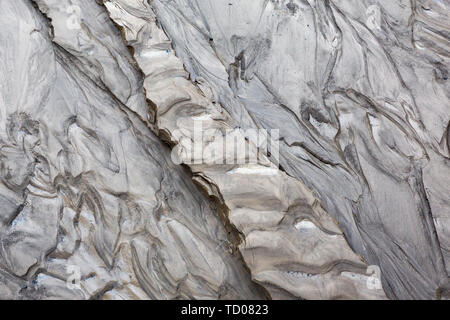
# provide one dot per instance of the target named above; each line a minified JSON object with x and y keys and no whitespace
{"x":87,"y":188}
{"x":291,"y":246}
{"x":359,"y":91}
{"x":117,"y":180}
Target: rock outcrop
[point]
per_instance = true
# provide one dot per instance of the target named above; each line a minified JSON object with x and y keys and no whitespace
{"x":195,"y":149}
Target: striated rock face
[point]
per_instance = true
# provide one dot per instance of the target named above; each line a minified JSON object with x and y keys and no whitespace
{"x":359,"y":92}
{"x":290,"y":244}
{"x":117,"y":176}
{"x":86,"y":184}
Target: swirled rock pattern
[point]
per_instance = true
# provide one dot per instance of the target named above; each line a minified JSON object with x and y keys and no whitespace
{"x":101,"y":101}
{"x":359,"y":91}
{"x":86,"y":184}
{"x":291,"y":246}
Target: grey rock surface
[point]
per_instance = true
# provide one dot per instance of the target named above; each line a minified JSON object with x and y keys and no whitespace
{"x":100,"y":105}
{"x":291,"y":245}
{"x":86,"y":183}
{"x":360,"y":93}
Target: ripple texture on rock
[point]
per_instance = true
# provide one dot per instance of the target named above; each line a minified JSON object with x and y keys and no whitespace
{"x":100,"y":103}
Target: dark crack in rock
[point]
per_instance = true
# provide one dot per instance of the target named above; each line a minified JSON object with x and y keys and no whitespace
{"x":100,"y":103}
{"x":358,"y":92}
{"x":86,"y":186}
